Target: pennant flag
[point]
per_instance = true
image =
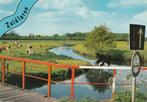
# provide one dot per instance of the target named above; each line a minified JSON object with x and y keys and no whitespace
{"x":19,"y":17}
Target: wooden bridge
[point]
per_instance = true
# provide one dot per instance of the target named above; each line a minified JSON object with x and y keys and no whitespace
{"x":9,"y":94}
{"x":14,"y":94}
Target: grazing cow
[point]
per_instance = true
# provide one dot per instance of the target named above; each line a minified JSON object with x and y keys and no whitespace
{"x":18,"y":44}
{"x":5,"y":48}
{"x":103,"y":59}
{"x":30,"y":50}
{"x":15,"y":43}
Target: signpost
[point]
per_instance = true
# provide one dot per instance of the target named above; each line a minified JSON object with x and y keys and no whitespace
{"x":137,"y":35}
{"x":136,"y":63}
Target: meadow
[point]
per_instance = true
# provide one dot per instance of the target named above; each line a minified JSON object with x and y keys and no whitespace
{"x":41,"y":47}
{"x":40,"y":53}
{"x":120,"y":52}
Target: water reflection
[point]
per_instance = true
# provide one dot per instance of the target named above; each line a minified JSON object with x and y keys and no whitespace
{"x":61,"y":90}
{"x":95,"y":91}
{"x":99,"y":76}
{"x":31,"y":83}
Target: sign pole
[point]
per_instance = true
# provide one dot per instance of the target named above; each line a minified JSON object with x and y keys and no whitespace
{"x":133,"y":88}
{"x":137,"y":36}
{"x":135,"y":64}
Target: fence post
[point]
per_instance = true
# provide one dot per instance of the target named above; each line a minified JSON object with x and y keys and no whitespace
{"x":72,"y":82}
{"x":3,"y":71}
{"x":114,"y":83}
{"x":7,"y":68}
{"x":49,"y":80}
{"x":23,"y":75}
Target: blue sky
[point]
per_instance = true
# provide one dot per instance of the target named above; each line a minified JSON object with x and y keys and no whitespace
{"x":61,"y":16}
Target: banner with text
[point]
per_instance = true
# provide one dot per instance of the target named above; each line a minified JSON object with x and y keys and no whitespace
{"x":18,"y":17}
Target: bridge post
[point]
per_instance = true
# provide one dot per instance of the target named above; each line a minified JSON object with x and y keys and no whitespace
{"x":72,"y":82}
{"x":23,"y":75}
{"x":3,"y":70}
{"x":49,"y":80}
{"x":114,"y":83}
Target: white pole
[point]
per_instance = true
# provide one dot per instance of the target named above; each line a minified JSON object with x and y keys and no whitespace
{"x":133,"y":88}
{"x":105,"y":67}
{"x":114,"y":83}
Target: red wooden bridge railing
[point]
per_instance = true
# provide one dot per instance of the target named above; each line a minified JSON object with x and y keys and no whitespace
{"x":50,"y":65}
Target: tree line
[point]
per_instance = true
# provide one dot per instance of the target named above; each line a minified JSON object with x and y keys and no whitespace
{"x":12,"y":35}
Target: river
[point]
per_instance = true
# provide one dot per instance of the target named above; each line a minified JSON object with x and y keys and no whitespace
{"x":123,"y":77}
{"x":62,"y":90}
{"x":67,"y":51}
{"x":92,"y":91}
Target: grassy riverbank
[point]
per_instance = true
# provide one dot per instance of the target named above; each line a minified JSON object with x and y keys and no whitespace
{"x":121,"y":52}
{"x":40,"y":53}
{"x":120,"y":97}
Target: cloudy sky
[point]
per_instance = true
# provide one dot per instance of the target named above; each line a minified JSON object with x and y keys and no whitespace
{"x":61,"y":16}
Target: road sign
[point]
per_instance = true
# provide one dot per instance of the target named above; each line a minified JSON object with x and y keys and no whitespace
{"x":137,"y":35}
{"x":136,"y":63}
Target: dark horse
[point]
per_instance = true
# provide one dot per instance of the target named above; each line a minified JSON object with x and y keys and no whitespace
{"x":103,"y":59}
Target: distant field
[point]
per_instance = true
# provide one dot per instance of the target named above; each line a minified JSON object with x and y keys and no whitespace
{"x":121,"y":45}
{"x":40,"y":53}
{"x":122,"y":48}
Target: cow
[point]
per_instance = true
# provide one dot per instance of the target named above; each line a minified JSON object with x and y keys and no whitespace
{"x":18,"y":44}
{"x":30,"y":50}
{"x":103,"y":59}
{"x":5,"y":48}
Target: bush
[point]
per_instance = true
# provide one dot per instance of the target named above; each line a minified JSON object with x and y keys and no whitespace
{"x":126,"y":97}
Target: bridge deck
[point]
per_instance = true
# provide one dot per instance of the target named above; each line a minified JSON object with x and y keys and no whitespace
{"x":10,"y":94}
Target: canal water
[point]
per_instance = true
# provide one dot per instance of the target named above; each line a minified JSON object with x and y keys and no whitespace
{"x":98,"y":92}
{"x":92,"y":91}
{"x":81,"y":91}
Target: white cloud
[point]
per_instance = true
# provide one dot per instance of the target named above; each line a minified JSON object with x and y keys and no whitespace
{"x":49,"y":14}
{"x":126,"y":3}
{"x":87,"y":13}
{"x":72,"y":13}
{"x":140,"y":18}
{"x":58,"y":4}
{"x":5,"y":12}
{"x":83,"y":12}
{"x":67,"y":8}
{"x":5,"y":1}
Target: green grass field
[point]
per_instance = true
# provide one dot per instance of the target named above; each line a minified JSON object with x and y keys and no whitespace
{"x":122,"y":48}
{"x":40,"y":53}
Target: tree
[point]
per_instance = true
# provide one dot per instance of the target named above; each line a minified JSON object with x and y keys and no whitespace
{"x":11,"y":35}
{"x":100,"y":40}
